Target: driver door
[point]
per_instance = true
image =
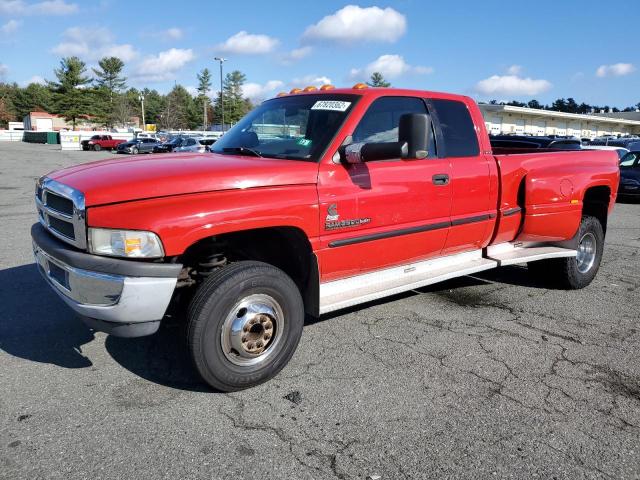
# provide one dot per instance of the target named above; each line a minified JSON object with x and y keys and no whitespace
{"x":385,"y":213}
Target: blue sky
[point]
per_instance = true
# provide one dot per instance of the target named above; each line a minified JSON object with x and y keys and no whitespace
{"x":489,"y":49}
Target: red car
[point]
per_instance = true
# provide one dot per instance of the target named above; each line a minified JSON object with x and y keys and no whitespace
{"x":316,"y":201}
{"x":101,"y":142}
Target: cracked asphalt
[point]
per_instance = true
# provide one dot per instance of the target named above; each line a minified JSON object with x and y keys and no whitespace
{"x":492,"y":375}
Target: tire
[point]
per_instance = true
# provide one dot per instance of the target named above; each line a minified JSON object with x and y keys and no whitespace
{"x":575,"y":272}
{"x":97,"y":147}
{"x":265,"y":340}
{"x":134,"y":150}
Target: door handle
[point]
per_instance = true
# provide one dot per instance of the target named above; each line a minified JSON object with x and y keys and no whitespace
{"x":440,"y":179}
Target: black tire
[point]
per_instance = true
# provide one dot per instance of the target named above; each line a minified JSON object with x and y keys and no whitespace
{"x":97,"y":147}
{"x":135,"y":150}
{"x":214,"y":303}
{"x":568,"y":272}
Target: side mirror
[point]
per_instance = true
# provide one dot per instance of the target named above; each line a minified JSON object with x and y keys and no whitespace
{"x":368,"y":152}
{"x":415,"y":130}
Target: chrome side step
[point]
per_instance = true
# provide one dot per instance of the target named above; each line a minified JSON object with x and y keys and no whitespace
{"x":382,"y":283}
{"x":510,"y":254}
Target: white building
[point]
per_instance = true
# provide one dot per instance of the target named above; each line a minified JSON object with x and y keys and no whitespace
{"x":501,"y":119}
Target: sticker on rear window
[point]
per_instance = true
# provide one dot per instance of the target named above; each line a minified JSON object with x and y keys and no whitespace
{"x":305,"y":142}
{"x":335,"y":105}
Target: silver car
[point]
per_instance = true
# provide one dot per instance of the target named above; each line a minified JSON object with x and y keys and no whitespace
{"x":192,"y":145}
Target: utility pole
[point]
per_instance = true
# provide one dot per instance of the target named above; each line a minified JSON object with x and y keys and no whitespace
{"x":144,"y":124}
{"x":221,"y":60}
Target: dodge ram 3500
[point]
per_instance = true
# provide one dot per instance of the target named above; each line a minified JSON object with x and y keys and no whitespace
{"x":315,"y":201}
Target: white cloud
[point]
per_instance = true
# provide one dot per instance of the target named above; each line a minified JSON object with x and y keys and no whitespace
{"x":615,"y":70}
{"x":514,"y":70}
{"x":390,"y":66}
{"x":35,"y":79}
{"x":307,"y":80}
{"x":295,"y":55}
{"x":512,"y":85}
{"x":93,"y":44}
{"x":48,"y":7}
{"x":10,"y":27}
{"x":164,"y":65}
{"x":4,"y":70}
{"x":174,"y":33}
{"x":257,"y":92}
{"x":243,"y":43}
{"x":353,"y":23}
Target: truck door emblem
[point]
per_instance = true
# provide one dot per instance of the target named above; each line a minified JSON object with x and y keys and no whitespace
{"x":333,"y":222}
{"x":332,"y":213}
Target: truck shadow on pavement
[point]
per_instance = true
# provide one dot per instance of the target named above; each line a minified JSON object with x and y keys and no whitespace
{"x":35,"y":324}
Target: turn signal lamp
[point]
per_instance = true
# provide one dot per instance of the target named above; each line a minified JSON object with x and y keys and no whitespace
{"x":310,"y":88}
{"x":360,"y":86}
{"x":327,"y":87}
{"x":295,"y":90}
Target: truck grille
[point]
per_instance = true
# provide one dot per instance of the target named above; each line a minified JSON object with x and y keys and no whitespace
{"x":61,"y":211}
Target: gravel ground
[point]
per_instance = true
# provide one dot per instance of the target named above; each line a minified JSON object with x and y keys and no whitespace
{"x":492,"y":375}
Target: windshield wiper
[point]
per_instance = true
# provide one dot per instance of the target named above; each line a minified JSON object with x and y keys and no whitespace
{"x":242,"y":151}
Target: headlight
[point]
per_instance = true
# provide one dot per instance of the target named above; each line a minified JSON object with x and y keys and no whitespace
{"x":125,"y":243}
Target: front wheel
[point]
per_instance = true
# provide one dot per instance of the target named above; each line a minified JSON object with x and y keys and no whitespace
{"x":244,"y":324}
{"x":135,"y":150}
{"x":97,"y":147}
{"x":579,"y":271}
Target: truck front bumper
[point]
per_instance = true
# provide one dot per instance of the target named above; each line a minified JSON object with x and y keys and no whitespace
{"x":125,"y":298}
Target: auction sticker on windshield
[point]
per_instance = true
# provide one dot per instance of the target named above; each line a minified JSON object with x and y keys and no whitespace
{"x":335,"y":105}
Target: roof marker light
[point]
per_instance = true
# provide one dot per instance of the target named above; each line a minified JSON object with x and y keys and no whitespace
{"x":295,"y":90}
{"x":360,"y":86}
{"x":282,"y":94}
{"x":328,"y":86}
{"x":310,"y":88}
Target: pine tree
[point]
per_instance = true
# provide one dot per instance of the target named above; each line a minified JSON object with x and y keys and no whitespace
{"x":71,"y":98}
{"x":109,"y":83}
{"x":204,"y":85}
{"x":235,"y":105}
{"x":377,"y":80}
{"x":32,"y":98}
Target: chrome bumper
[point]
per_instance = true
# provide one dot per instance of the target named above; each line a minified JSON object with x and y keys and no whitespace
{"x":106,"y":297}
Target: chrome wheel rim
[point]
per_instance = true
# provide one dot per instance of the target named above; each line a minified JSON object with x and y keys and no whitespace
{"x":252,"y":331}
{"x":586,"y":255}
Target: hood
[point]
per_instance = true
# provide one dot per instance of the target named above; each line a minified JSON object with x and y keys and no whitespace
{"x":149,"y":176}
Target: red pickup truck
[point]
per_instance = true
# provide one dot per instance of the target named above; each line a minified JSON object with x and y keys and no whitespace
{"x":101,"y":142}
{"x":317,"y":200}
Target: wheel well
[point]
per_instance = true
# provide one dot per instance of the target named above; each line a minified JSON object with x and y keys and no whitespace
{"x":286,"y":248}
{"x":596,"y":204}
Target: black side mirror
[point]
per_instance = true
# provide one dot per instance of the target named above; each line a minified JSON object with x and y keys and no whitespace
{"x":369,"y":152}
{"x":415,"y":130}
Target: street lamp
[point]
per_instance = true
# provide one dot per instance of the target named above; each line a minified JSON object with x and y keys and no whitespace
{"x":144,"y":124}
{"x":221,"y":60}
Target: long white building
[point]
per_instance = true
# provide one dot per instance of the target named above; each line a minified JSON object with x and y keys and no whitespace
{"x":502,"y":119}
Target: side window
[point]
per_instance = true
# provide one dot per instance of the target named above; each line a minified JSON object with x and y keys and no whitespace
{"x":458,"y":130}
{"x":628,"y":160}
{"x":380,"y":122}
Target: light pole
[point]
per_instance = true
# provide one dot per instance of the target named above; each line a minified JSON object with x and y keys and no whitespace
{"x":144,"y":124}
{"x":221,"y":60}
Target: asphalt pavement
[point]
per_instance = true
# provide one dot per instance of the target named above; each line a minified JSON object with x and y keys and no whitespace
{"x":488,"y":376}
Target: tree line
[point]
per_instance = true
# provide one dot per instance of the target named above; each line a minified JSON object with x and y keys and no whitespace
{"x":568,"y":105}
{"x":103,"y":97}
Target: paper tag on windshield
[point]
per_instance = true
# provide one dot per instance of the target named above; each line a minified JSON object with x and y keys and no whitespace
{"x":335,"y":105}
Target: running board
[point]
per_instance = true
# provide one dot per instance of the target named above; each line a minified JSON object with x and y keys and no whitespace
{"x":509,"y":254}
{"x":382,"y":283}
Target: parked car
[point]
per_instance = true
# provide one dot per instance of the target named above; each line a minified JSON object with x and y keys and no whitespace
{"x":138,"y":145}
{"x":192,"y":145}
{"x":169,"y":145}
{"x":630,"y":175}
{"x":525,"y":142}
{"x":630,"y":143}
{"x":619,"y":150}
{"x":344,"y":197}
{"x":101,"y":142}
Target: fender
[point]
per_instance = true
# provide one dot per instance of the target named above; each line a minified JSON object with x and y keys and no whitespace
{"x":182,"y":220}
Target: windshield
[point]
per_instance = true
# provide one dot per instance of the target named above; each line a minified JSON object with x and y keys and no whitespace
{"x":292,"y":127}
